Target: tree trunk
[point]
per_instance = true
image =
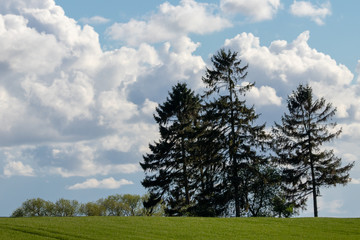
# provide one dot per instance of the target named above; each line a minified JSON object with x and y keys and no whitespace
{"x":232,"y":152}
{"x":185,"y":175}
{"x":312,"y":170}
{"x":314,"y":189}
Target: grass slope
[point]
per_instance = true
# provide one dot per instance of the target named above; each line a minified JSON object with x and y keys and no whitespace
{"x":97,"y":228}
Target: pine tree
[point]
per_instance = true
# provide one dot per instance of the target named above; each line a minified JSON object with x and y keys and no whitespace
{"x":297,"y":143}
{"x":238,"y":136}
{"x":169,"y":167}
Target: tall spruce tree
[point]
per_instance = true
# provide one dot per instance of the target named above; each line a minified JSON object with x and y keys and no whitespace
{"x":238,"y":137}
{"x":169,"y":168}
{"x":297,"y":143}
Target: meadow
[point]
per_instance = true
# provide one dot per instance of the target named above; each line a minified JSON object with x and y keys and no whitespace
{"x":97,"y":228}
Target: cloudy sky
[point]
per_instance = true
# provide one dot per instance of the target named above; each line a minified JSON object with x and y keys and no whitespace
{"x":80,"y":81}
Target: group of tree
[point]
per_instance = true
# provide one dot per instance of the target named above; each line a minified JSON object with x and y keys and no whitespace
{"x":113,"y":205}
{"x":214,"y":159}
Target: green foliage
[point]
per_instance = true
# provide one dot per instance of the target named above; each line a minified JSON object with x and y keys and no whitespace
{"x":107,"y":228}
{"x":66,"y":208}
{"x":113,"y":205}
{"x":35,"y":207}
{"x":92,"y":209}
{"x":121,"y":205}
{"x":282,"y":208}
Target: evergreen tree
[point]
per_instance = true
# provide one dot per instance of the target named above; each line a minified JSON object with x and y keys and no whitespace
{"x":237,"y":135}
{"x":297,"y":143}
{"x":208,"y":170}
{"x":169,"y":166}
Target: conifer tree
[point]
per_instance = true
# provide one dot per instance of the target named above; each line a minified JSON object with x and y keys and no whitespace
{"x":233,"y":121}
{"x":297,"y":143}
{"x":169,"y":168}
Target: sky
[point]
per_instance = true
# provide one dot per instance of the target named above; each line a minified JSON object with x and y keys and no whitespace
{"x":80,"y":80}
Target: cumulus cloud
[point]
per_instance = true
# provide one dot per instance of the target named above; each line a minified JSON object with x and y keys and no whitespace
{"x":307,"y":9}
{"x":355,"y":181}
{"x":107,"y":183}
{"x":87,"y":159}
{"x":264,"y":95}
{"x":17,"y":168}
{"x":169,"y":23}
{"x":75,"y":110}
{"x":14,"y":31}
{"x":71,"y":97}
{"x":277,"y":70}
{"x":282,"y":66}
{"x":11,"y":110}
{"x":255,"y":10}
{"x":94,"y":20}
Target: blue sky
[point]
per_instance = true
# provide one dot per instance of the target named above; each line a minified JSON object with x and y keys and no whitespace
{"x":81,"y":79}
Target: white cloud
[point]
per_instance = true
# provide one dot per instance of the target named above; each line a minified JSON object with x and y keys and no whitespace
{"x":255,"y":10}
{"x":149,"y":107}
{"x":123,"y":66}
{"x":169,"y":23}
{"x":86,"y":159}
{"x":107,"y":183}
{"x":117,"y":143}
{"x":17,"y":168}
{"x":355,"y":181}
{"x":264,"y":95}
{"x":11,"y":109}
{"x":114,"y":109}
{"x":73,"y":109}
{"x":307,"y":9}
{"x":282,"y":66}
{"x":27,"y":56}
{"x":94,"y":20}
{"x":351,"y":130}
{"x":70,"y":96}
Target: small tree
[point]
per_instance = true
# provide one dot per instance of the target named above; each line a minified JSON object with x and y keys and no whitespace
{"x":112,"y":205}
{"x":19,"y":212}
{"x":132,"y":204}
{"x":66,"y":208}
{"x":92,"y":209}
{"x":282,"y":208}
{"x":34,"y":207}
{"x":297,"y":143}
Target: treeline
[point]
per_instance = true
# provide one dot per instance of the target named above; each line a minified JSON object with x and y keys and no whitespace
{"x":213,"y":158}
{"x":113,"y":205}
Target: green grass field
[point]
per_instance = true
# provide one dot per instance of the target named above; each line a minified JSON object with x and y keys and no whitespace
{"x":97,"y":228}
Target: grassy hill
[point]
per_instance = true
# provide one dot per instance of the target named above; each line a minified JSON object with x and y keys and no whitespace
{"x":97,"y":228}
